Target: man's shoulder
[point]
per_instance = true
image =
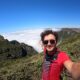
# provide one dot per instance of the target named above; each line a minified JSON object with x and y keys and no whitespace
{"x":62,"y":52}
{"x":63,"y":56}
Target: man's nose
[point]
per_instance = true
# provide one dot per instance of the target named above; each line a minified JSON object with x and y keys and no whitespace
{"x":49,"y":43}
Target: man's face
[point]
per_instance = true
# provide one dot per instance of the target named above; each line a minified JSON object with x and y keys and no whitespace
{"x":49,"y":42}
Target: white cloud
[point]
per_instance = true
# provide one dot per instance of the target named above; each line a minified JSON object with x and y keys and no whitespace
{"x":30,"y":37}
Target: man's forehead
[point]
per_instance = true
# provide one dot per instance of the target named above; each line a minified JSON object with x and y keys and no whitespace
{"x":49,"y":36}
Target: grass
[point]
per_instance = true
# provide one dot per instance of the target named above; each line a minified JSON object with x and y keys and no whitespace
{"x":27,"y":68}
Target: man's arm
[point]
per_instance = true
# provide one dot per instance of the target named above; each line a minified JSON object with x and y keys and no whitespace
{"x":76,"y":70}
{"x":73,"y":68}
{"x":68,"y":65}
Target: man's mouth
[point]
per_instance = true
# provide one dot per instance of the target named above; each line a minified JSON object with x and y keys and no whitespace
{"x":49,"y":46}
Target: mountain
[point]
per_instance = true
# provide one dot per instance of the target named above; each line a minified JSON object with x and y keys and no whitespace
{"x":14,"y":49}
{"x":66,"y":33}
{"x":71,"y":29}
{"x":71,"y":45}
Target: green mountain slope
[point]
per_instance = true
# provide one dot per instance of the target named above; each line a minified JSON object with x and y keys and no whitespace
{"x":65,"y":33}
{"x":14,"y":49}
{"x":26,"y":68}
{"x":71,"y":46}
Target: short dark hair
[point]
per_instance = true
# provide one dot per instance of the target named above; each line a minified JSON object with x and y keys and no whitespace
{"x":47,"y":32}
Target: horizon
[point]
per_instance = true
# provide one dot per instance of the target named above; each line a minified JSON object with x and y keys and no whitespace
{"x":29,"y":36}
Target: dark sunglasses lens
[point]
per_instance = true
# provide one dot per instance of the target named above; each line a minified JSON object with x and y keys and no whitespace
{"x":52,"y":41}
{"x":45,"y":42}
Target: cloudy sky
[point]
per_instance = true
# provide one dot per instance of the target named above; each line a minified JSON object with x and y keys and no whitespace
{"x":30,"y":37}
{"x":23,"y":20}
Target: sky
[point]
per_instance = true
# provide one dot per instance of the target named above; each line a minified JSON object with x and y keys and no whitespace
{"x":32,"y":16}
{"x":27,"y":14}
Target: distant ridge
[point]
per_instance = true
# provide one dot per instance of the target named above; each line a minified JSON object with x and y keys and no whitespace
{"x":72,"y":29}
{"x":68,"y":32}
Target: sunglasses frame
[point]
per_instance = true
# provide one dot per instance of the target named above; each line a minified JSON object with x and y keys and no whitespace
{"x":45,"y":42}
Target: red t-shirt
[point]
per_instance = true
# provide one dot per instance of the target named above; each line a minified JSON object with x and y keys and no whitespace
{"x":55,"y":67}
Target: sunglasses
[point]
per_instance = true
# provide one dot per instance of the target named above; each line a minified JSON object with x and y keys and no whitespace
{"x":46,"y":42}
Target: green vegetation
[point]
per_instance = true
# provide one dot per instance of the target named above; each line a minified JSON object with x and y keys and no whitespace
{"x":14,"y":49}
{"x":72,"y":46}
{"x":26,"y":68}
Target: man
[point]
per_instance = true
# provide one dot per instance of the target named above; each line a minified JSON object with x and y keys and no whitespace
{"x":54,"y":59}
